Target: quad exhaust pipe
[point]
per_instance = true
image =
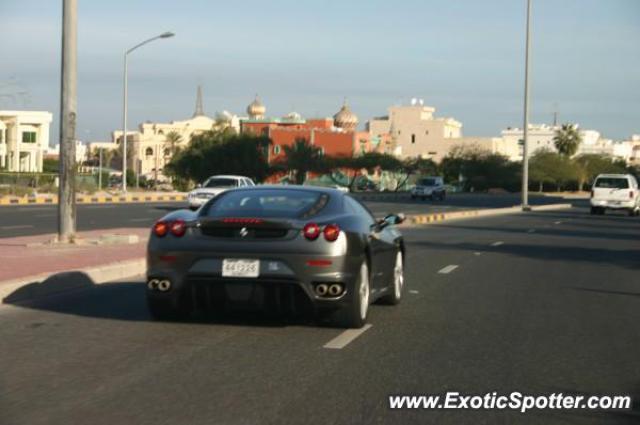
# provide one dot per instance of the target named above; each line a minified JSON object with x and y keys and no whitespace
{"x":329,"y":290}
{"x":162,"y":285}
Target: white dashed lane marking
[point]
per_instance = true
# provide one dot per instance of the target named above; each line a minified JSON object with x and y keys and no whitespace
{"x":448,"y":269}
{"x":557,"y":222}
{"x":531,"y":231}
{"x":16,"y":227}
{"x":497,"y":243}
{"x":413,"y":291}
{"x":346,"y":337}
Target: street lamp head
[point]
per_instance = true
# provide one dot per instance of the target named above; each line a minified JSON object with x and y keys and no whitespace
{"x":167,"y":34}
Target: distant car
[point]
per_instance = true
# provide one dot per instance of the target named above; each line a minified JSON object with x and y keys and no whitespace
{"x":276,"y":247}
{"x":429,"y":187}
{"x":344,"y":189}
{"x":214,"y":186}
{"x":615,"y":192}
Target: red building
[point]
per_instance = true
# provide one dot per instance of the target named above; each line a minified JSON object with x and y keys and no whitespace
{"x":335,"y":137}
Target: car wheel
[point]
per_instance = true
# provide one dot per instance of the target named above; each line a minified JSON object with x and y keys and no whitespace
{"x":632,"y":212}
{"x":355,"y":314}
{"x":423,"y":198}
{"x":398,"y":282}
{"x":413,"y":197}
{"x":602,"y":211}
{"x":164,"y":309}
{"x":443,"y":196}
{"x":594,"y":211}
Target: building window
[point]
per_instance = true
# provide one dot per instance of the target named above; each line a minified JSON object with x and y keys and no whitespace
{"x":148,"y":152}
{"x":28,"y":137}
{"x":413,"y":138}
{"x":277,"y":150}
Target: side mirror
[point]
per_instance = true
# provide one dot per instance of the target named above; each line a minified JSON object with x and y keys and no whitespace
{"x":394,"y":218}
{"x":199,"y":185}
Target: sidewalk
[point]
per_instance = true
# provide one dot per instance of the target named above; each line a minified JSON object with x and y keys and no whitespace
{"x":28,"y":260}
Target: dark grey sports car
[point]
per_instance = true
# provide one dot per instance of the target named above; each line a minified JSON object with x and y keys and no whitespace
{"x":277,"y":246}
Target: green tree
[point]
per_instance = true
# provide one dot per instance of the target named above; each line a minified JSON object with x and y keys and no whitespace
{"x":172,"y":142}
{"x":50,"y":165}
{"x":300,"y":158}
{"x":551,"y":168}
{"x":477,"y":169}
{"x":567,"y":139}
{"x":590,"y":165}
{"x":221,"y":152}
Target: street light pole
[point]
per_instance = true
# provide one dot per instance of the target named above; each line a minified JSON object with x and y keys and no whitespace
{"x":125,"y":102}
{"x":525,"y":144}
{"x":68,"y":105}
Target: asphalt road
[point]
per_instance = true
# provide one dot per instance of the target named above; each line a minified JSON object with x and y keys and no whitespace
{"x":538,"y":303}
{"x":42,"y":219}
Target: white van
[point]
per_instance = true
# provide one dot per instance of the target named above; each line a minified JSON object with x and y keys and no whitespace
{"x":615,"y":192}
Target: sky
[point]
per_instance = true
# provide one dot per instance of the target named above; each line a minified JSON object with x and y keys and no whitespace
{"x":463,"y":57}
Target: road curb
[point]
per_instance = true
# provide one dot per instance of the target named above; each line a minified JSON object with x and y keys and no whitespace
{"x":87,"y":199}
{"x":455,"y":215}
{"x":45,"y":284}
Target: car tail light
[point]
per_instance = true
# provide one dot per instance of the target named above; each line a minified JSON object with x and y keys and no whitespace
{"x":331,"y":232}
{"x":311,"y":231}
{"x":160,"y":228}
{"x":178,"y":228}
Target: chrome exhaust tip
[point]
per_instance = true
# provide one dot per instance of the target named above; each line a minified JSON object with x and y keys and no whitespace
{"x":322,"y":289}
{"x":152,"y":284}
{"x":335,"y":289}
{"x":164,"y":285}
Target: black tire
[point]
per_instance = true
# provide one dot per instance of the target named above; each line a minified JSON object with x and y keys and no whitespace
{"x":594,"y":211}
{"x":413,"y":197}
{"x":351,"y":315}
{"x":166,"y":309}
{"x":632,"y":212}
{"x":423,"y":198}
{"x":395,"y":294}
{"x":601,"y":211}
{"x":443,"y":196}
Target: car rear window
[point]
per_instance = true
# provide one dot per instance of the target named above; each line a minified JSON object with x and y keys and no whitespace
{"x":221,"y":182}
{"x":612,"y":183}
{"x":268,"y":203}
{"x":427,"y":182}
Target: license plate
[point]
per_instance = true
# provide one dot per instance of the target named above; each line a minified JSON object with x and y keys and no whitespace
{"x":240,"y":268}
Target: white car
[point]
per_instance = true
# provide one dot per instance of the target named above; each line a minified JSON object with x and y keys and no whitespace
{"x":429,"y":187}
{"x":615,"y":192}
{"x":213,"y":186}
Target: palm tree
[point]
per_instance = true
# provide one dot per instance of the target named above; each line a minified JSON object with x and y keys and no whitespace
{"x":567,"y":139}
{"x":172,"y":141}
{"x":300,"y":158}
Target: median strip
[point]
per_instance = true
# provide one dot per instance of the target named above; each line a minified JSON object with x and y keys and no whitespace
{"x":416,"y":219}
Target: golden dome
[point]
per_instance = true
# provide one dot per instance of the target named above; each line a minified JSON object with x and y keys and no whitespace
{"x":345,"y":119}
{"x":256,"y":109}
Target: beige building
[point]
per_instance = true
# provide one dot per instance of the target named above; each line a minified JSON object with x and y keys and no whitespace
{"x":24,"y":139}
{"x":415,"y":131}
{"x":151,"y":147}
{"x":541,"y":138}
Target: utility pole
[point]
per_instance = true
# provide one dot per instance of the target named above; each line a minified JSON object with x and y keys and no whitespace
{"x":525,"y":146}
{"x":99,"y":168}
{"x":68,"y":104}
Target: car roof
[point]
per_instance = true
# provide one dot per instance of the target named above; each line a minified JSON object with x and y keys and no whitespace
{"x":615,"y":176}
{"x":227,"y":176}
{"x":294,"y":187}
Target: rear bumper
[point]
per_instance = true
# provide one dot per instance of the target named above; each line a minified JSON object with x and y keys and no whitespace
{"x":201,"y":277}
{"x":609,"y":204}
